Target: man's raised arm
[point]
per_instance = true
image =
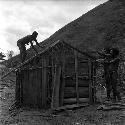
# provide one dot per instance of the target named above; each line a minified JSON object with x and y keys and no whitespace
{"x":37,"y":43}
{"x":33,"y":47}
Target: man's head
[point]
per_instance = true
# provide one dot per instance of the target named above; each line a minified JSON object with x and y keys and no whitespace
{"x":34,"y":34}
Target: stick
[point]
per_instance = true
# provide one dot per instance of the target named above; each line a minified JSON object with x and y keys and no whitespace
{"x":16,"y":68}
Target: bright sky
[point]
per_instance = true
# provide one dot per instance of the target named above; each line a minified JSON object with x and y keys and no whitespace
{"x":22,"y":17}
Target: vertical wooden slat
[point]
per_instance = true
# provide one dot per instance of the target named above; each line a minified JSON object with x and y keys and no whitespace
{"x":52,"y":70}
{"x":26,"y":88}
{"x":56,"y":86}
{"x":93,"y":80}
{"x":21,"y":87}
{"x":17,"y":88}
{"x":62,"y":86}
{"x":38,"y":89}
{"x":76,"y":74}
{"x":90,"y":82}
{"x":44,"y":82}
{"x":35,"y":88}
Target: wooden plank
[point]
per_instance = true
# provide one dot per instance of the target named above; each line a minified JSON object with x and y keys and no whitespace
{"x":83,"y":100}
{"x":18,"y":88}
{"x":35,"y":68}
{"x":73,"y":100}
{"x":53,"y":68}
{"x":26,"y":89}
{"x":82,"y":68}
{"x":70,"y":92}
{"x":76,"y":71}
{"x":30,"y":88}
{"x":39,"y":89}
{"x":84,"y":77}
{"x":56,"y":87}
{"x":69,"y":65}
{"x":34,"y":89}
{"x":70,"y":70}
{"x":44,"y":82}
{"x":62,"y":86}
{"x":73,"y":106}
{"x":71,"y":82}
{"x":70,"y":101}
{"x":94,"y":80}
{"x":90,"y":83}
{"x":17,"y":96}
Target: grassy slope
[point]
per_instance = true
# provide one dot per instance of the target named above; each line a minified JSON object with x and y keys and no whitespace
{"x":100,"y":27}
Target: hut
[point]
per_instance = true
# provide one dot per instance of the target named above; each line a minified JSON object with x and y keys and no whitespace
{"x":59,"y":75}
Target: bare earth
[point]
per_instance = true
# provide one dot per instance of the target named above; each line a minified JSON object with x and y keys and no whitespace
{"x":82,"y":116}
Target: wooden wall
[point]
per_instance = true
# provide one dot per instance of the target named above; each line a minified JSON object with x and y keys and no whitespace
{"x":58,"y":77}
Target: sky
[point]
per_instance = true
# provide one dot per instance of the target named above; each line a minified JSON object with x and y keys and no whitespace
{"x":22,"y":17}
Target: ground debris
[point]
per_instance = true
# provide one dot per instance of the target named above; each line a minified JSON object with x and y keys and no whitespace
{"x":85,"y":115}
{"x":106,"y":106}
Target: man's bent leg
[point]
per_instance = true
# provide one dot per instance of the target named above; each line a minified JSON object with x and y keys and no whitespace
{"x":23,"y":54}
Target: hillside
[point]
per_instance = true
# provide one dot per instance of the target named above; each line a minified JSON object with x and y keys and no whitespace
{"x":102,"y":26}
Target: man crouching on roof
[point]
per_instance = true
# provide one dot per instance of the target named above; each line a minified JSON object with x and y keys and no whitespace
{"x":21,"y":43}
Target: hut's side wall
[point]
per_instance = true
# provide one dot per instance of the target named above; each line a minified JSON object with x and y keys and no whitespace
{"x":31,"y":86}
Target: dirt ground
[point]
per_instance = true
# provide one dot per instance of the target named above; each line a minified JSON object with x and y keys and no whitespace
{"x":83,"y":116}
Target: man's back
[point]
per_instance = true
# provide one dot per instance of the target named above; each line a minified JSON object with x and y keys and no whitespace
{"x":25,"y":40}
{"x":21,"y":43}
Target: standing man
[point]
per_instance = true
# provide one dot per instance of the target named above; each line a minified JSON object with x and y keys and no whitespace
{"x":21,"y":43}
{"x":111,"y":63}
{"x":113,"y":70}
